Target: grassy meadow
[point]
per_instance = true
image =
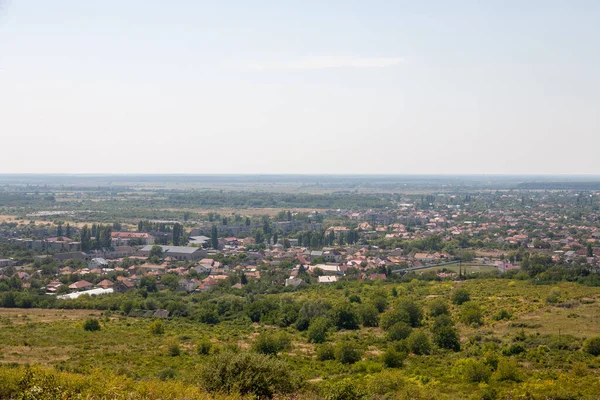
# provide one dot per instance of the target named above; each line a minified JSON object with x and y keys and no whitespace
{"x":527,"y":346}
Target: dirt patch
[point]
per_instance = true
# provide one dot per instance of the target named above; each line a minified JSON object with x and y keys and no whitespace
{"x":18,"y":316}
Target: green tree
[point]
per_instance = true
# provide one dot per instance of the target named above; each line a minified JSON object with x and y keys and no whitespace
{"x":460,"y":296}
{"x":317,"y":330}
{"x":418,"y":343}
{"x":156,"y":252}
{"x":347,"y":352}
{"x":414,"y":311}
{"x":392,"y":358}
{"x":214,"y":237}
{"x":438,"y":307}
{"x":368,"y":315}
{"x":344,"y":316}
{"x":177,"y":233}
{"x":446,"y":337}
{"x":59,"y":230}
{"x":592,"y":346}
{"x":275,"y":237}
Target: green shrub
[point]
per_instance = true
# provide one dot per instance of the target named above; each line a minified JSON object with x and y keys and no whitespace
{"x":343,"y":390}
{"x":592,"y":346}
{"x":414,"y":311}
{"x":460,"y":296}
{"x":271,"y":343}
{"x":347,"y":353}
{"x":446,"y":337}
{"x":513,"y":349}
{"x":392,"y":358}
{"x":317,"y":330}
{"x":438,"y":307}
{"x":157,"y":327}
{"x":441,"y":321}
{"x":418,"y":343}
{"x":392,"y":317}
{"x":502,"y":315}
{"x":204,"y":348}
{"x":174,"y":350}
{"x":471,"y":314}
{"x":475,"y":371}
{"x":345,"y":317}
{"x":91,"y":325}
{"x":508,"y":370}
{"x":368,"y":315}
{"x":166,"y":374}
{"x":399,"y":331}
{"x":325,"y":352}
{"x":491,"y":359}
{"x":247,"y":373}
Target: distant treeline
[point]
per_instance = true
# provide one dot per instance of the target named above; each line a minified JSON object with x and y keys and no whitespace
{"x":559,"y":185}
{"x":278,"y":200}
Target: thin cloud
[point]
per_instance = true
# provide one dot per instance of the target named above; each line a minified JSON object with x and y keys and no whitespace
{"x":330,"y":62}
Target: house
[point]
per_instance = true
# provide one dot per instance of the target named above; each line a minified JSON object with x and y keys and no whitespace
{"x":189,"y":285}
{"x":198,"y":240}
{"x":326,"y":268}
{"x":81,"y":285}
{"x":105,"y":284}
{"x":97,"y":263}
{"x":179,"y":253}
{"x":92,"y":292}
{"x":123,"y":285}
{"x":125,"y":238}
{"x":4,"y":262}
{"x":328,"y":279}
{"x":294,"y":282}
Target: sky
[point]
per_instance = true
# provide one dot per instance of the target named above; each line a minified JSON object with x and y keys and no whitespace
{"x":303,"y":87}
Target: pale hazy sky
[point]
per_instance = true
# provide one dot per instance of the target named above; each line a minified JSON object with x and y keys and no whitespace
{"x":403,"y":87}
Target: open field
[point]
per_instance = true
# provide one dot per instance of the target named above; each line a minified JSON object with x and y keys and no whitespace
{"x":127,"y":347}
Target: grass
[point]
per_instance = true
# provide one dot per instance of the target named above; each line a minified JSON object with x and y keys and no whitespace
{"x":125,"y":347}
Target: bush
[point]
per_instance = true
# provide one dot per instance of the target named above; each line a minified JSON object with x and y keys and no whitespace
{"x":508,"y":370}
{"x":475,"y":371}
{"x":392,"y":358}
{"x":166,"y":374}
{"x":204,"y":348}
{"x":157,"y":327}
{"x":347,"y":353}
{"x":174,"y":350}
{"x":446,"y":337}
{"x":343,"y":390}
{"x":438,"y":307}
{"x":399,"y":331}
{"x":418,"y":343}
{"x":502,"y":314}
{"x":392,"y":317}
{"x":325,"y":352}
{"x":317,"y":330}
{"x":344,"y":316}
{"x":491,"y":359}
{"x":91,"y":325}
{"x":247,"y":373}
{"x":460,"y":296}
{"x":514,"y":349}
{"x":471,"y":314}
{"x":592,"y":346}
{"x":271,"y":344}
{"x":414,"y":311}
{"x":368,"y":315}
{"x":441,"y":321}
